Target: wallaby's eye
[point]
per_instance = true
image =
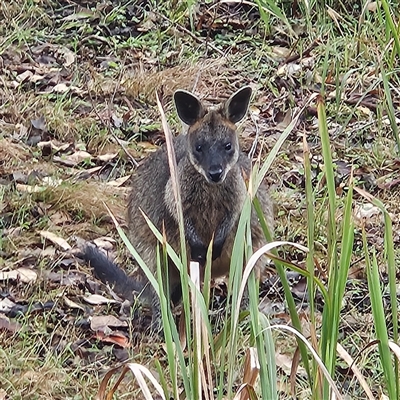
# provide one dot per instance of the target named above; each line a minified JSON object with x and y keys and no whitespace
{"x":199,"y":148}
{"x":228,"y":147}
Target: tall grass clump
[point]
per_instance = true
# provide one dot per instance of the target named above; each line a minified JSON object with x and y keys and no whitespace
{"x":339,"y":251}
{"x":203,"y":366}
{"x":198,"y":364}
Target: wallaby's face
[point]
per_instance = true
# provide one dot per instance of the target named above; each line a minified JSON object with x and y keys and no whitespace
{"x":212,"y":138}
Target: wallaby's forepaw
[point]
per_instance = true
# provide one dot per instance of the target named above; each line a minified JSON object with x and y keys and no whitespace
{"x":217,"y":250}
{"x":199,"y":254}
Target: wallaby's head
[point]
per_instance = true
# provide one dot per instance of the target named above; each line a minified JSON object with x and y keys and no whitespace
{"x":212,"y":138}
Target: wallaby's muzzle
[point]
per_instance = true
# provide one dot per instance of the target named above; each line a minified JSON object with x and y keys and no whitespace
{"x":216,"y":173}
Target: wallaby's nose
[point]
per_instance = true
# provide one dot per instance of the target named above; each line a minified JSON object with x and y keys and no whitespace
{"x":215,"y":173}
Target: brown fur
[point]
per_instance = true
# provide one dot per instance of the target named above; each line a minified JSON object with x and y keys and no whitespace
{"x":211,"y":170}
{"x":205,"y":203}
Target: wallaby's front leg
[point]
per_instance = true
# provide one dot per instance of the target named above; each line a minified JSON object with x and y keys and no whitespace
{"x":198,"y":250}
{"x":222,"y":232}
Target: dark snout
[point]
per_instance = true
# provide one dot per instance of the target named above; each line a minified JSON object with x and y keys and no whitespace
{"x":215,"y":172}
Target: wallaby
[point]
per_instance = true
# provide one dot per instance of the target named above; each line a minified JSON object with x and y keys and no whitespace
{"x":212,"y":172}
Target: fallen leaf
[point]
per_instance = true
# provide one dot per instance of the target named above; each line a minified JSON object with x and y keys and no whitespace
{"x":73,"y":159}
{"x":365,"y":110}
{"x":39,"y":124}
{"x":7,"y":326}
{"x":59,"y":218}
{"x":284,"y":362}
{"x":29,"y":189}
{"x":280,"y":53}
{"x":114,"y":338}
{"x":107,"y":157}
{"x":103,"y":321}
{"x":117,"y":121}
{"x":51,"y":181}
{"x":285,"y":121}
{"x":366,"y":211}
{"x":87,"y":173}
{"x":69,"y":56}
{"x":84,"y":14}
{"x":6,"y":305}
{"x":55,"y":239}
{"x":54,"y":145}
{"x":66,"y":279}
{"x":72,"y":304}
{"x":24,"y":275}
{"x":12,"y":232}
{"x":119,"y":181}
{"x":60,"y":88}
{"x":49,"y":252}
{"x":105,"y":242}
{"x":25,"y":76}
{"x":3,"y":394}
{"x":36,"y":78}
{"x":97,"y":299}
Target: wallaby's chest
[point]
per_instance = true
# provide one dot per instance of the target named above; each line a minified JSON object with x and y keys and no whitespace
{"x":207,"y":205}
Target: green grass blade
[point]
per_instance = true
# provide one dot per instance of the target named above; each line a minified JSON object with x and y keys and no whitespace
{"x":390,"y":108}
{"x":168,"y":327}
{"x":310,"y":200}
{"x":391,"y":269}
{"x":267,"y":7}
{"x":392,"y":27}
{"x":338,"y":271}
{"x":264,"y":343}
{"x":328,"y":170}
{"x":235,"y":279}
{"x":375,"y":291}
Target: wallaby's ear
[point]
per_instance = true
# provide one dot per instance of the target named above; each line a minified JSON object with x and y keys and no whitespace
{"x":236,"y":106}
{"x":188,"y":106}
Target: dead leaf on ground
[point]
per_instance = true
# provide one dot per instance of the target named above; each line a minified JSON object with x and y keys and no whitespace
{"x":54,"y":145}
{"x":59,"y":241}
{"x":113,"y":338}
{"x":52,"y":181}
{"x":366,"y":211}
{"x":48,"y":252}
{"x":107,"y":157}
{"x":6,"y":305}
{"x":119,"y":181}
{"x":7,"y":326}
{"x":87,"y":173}
{"x":69,"y":56}
{"x":59,"y":218}
{"x":103,"y":321}
{"x":66,"y":279}
{"x":25,"y":76}
{"x":64,"y":88}
{"x":29,"y":188}
{"x":72,"y":304}
{"x":12,"y":232}
{"x":39,"y":124}
{"x":74,"y":159}
{"x":97,"y":299}
{"x":24,"y":275}
{"x":105,"y":242}
{"x":284,"y":362}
